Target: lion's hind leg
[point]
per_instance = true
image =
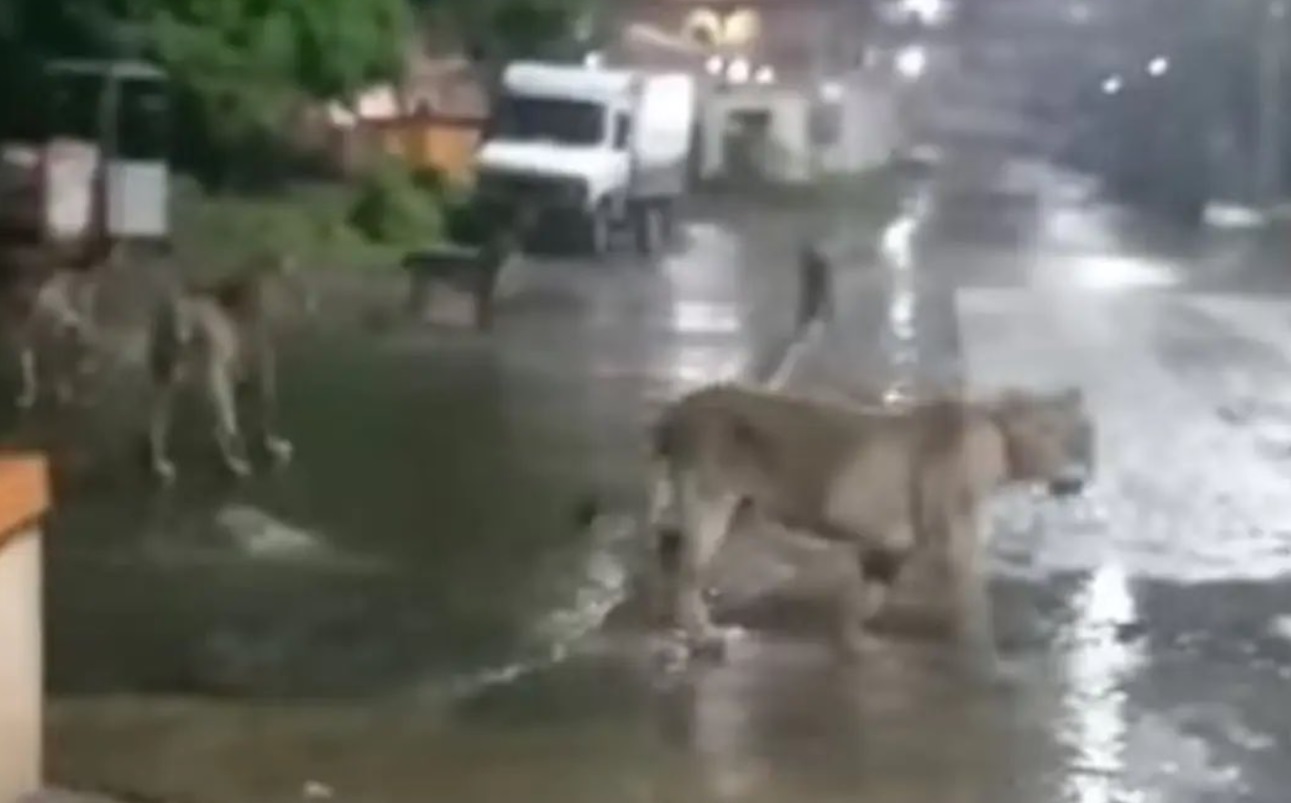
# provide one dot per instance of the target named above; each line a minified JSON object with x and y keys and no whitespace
{"x":29,"y":377}
{"x":877,"y":572}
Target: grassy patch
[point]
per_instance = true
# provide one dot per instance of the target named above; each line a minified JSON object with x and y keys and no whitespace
{"x":370,"y":223}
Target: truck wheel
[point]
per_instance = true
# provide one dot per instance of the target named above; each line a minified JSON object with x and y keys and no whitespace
{"x":598,"y":231}
{"x":651,"y":229}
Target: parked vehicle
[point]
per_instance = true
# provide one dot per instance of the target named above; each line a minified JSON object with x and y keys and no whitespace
{"x":593,"y":150}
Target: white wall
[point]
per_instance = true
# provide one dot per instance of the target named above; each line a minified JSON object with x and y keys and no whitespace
{"x":788,"y":128}
{"x":869,"y":128}
{"x":21,"y":664}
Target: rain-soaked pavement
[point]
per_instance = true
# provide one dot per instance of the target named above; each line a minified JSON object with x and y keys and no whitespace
{"x":405,"y":613}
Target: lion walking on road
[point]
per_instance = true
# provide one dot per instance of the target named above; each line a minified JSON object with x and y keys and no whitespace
{"x":886,"y":483}
{"x":48,"y":297}
{"x":219,"y":338}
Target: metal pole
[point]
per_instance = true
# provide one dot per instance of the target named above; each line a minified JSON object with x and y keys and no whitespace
{"x":815,"y":157}
{"x":1268,"y":177}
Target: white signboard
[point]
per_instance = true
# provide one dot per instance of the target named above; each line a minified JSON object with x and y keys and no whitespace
{"x":70,"y":166}
{"x":138,"y":198}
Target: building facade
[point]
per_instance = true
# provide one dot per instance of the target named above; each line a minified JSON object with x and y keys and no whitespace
{"x":787,"y":96}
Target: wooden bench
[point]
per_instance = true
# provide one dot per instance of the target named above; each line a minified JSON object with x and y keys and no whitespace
{"x":24,"y":500}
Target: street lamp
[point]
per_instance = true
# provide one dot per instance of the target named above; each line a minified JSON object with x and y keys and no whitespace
{"x":738,"y":71}
{"x":1113,"y":85}
{"x":911,"y":61}
{"x":1158,"y":66}
{"x":928,"y":12}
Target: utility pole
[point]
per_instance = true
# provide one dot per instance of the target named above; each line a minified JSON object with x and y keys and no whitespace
{"x":1268,"y":163}
{"x":822,"y":37}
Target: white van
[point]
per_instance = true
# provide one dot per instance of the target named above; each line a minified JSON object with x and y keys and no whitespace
{"x":600,"y":148}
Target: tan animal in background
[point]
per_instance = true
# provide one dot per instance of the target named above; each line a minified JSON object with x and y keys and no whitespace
{"x":47,"y":320}
{"x":884,"y":482}
{"x":221,"y":338}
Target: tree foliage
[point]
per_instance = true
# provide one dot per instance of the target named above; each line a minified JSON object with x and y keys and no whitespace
{"x":238,"y":67}
{"x":495,"y":32}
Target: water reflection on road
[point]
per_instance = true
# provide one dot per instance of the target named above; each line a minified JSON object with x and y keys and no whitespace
{"x":417,"y":569}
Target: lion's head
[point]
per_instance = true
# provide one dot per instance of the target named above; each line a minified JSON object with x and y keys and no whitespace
{"x":1048,"y":437}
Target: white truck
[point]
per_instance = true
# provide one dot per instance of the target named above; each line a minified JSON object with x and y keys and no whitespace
{"x":590,"y":150}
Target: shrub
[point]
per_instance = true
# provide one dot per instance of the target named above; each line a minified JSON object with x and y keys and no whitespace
{"x":215,"y":233}
{"x":391,"y":208}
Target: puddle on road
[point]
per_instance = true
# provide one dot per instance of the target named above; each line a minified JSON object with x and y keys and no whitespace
{"x":780,"y":721}
{"x":596,"y":589}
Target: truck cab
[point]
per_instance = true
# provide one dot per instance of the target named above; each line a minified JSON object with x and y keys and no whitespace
{"x":589,"y":149}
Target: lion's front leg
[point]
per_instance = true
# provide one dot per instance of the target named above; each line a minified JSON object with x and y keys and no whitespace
{"x":228,"y":437}
{"x":969,"y":583}
{"x":278,"y":448}
{"x":705,"y":519}
{"x":161,"y":407}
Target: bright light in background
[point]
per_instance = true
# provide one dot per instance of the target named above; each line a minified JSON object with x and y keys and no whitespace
{"x":714,"y":65}
{"x":742,"y":28}
{"x":896,"y":244}
{"x":1099,"y":267}
{"x":594,"y":60}
{"x":1119,"y":273}
{"x":1079,"y":13}
{"x":928,"y":11}
{"x":831,"y":91}
{"x":912,"y":61}
{"x":1113,"y":85}
{"x":1232,"y":216}
{"x":738,"y":71}
{"x":1158,"y":66}
{"x":764,"y":75}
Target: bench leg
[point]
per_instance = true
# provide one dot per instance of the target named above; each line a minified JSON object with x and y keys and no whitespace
{"x":485,"y":292}
{"x":418,"y":297}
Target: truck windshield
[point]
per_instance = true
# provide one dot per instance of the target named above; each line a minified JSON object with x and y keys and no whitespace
{"x":571,"y":122}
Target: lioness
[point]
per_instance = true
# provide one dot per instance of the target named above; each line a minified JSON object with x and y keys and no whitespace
{"x":883,"y":481}
{"x":220,"y":336}
{"x":47,"y":318}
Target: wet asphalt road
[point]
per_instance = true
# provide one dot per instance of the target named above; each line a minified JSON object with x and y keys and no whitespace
{"x":405,"y":613}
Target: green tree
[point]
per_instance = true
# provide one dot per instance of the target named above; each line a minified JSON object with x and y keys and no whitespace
{"x":243,"y":66}
{"x":239,"y":67}
{"x":495,"y":32}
